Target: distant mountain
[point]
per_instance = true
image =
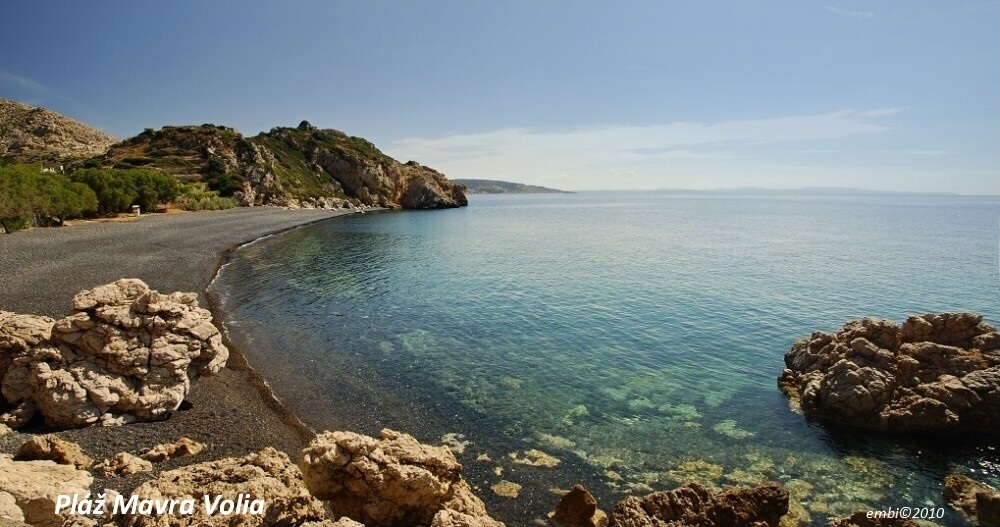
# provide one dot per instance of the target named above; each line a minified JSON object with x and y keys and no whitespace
{"x":286,"y":166}
{"x":489,"y":186}
{"x":30,"y":134}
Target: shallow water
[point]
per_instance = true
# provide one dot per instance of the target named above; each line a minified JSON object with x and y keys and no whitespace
{"x":634,"y":337}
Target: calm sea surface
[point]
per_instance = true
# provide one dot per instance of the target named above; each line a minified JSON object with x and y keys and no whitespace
{"x":632,"y":340}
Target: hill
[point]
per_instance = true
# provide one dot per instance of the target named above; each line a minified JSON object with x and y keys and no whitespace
{"x":489,"y":186}
{"x":286,"y":166}
{"x":30,"y":134}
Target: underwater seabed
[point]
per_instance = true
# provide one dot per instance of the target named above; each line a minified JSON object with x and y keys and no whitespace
{"x":632,"y":441}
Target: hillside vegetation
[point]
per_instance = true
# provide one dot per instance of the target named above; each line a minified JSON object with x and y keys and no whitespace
{"x":285,"y":166}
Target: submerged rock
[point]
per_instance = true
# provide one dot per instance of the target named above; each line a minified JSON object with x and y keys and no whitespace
{"x":128,"y":353}
{"x":861,"y":519}
{"x":695,"y":506}
{"x":932,"y":374}
{"x":980,"y":502}
{"x":578,"y":508}
{"x":391,"y":481}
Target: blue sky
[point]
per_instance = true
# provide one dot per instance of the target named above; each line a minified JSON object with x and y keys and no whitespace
{"x":575,"y":94}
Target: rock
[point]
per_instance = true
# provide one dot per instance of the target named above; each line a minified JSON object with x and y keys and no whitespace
{"x":861,"y":519}
{"x":127,"y":353}
{"x":506,"y":489}
{"x":4,"y":430}
{"x":35,"y":486}
{"x":181,"y":448}
{"x":390,"y":481}
{"x":38,"y":134}
{"x":534,"y":458}
{"x":267,"y":475}
{"x":936,"y":374}
{"x":54,"y":449}
{"x":453,"y":518}
{"x":123,"y":464}
{"x":9,"y":508}
{"x":578,"y":509}
{"x":695,"y":506}
{"x":343,"y":522}
{"x":977,"y":500}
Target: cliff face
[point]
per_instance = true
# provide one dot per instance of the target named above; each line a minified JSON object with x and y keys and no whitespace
{"x":33,"y":134}
{"x":288,"y":166}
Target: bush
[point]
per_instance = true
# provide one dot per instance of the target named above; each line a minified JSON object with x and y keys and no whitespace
{"x":198,"y":200}
{"x":117,"y":190}
{"x":30,"y":197}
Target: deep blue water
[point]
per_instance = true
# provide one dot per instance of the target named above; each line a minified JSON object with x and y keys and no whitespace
{"x":635,"y":337}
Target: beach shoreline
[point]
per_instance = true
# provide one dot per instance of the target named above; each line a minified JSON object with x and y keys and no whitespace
{"x":234,"y":412}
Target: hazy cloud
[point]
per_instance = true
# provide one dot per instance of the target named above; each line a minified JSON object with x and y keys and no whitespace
{"x":848,"y":13}
{"x":22,"y":82}
{"x":644,"y":153}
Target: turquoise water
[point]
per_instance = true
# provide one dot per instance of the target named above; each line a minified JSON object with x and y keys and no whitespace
{"x":633,"y":339}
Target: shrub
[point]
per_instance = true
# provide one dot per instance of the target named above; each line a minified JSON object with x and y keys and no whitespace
{"x":31,"y":197}
{"x":117,"y":190}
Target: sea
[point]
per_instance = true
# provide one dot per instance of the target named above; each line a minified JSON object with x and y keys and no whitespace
{"x":627,"y":341}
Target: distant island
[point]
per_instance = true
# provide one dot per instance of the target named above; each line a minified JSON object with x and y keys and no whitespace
{"x":489,"y":186}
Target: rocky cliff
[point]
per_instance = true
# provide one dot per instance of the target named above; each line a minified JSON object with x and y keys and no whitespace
{"x":33,"y":134}
{"x":302,"y":166}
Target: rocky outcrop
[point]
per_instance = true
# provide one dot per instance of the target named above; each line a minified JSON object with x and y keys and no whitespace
{"x":979,"y":502}
{"x":127,"y":353}
{"x":392,"y":481}
{"x":183,"y":447}
{"x":578,"y":508}
{"x":695,"y":506}
{"x":9,"y":508}
{"x":932,"y":374}
{"x":36,"y":485}
{"x":52,"y":448}
{"x":37,"y":134}
{"x":123,"y":464}
{"x":290,"y":167}
{"x":267,"y":477}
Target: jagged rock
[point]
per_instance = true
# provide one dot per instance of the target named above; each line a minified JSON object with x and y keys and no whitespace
{"x":180,"y":448}
{"x":123,"y":464}
{"x":979,"y":501}
{"x":128,"y":353}
{"x":391,"y":481}
{"x":861,"y":519}
{"x":9,"y":508}
{"x":932,"y":374}
{"x":267,"y":475}
{"x":54,"y":449}
{"x":4,"y":430}
{"x":578,"y":508}
{"x":35,"y":486}
{"x":695,"y":506}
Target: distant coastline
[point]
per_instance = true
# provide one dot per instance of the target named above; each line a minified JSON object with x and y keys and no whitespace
{"x":490,"y":186}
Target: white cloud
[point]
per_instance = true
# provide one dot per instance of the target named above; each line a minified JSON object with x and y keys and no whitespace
{"x":22,"y":82}
{"x":639,"y":155}
{"x":848,"y":13}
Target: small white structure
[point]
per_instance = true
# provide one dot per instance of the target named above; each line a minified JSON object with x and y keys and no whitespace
{"x":135,"y":209}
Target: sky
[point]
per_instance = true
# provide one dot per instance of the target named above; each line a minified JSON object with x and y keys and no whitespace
{"x":578,"y":95}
